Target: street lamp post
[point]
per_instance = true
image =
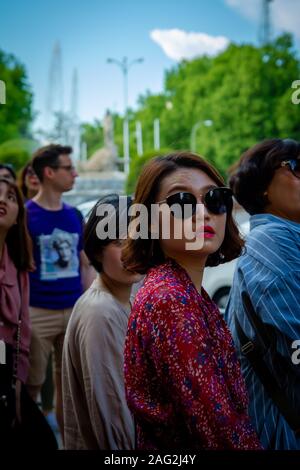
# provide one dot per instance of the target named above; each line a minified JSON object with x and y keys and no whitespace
{"x":125,"y":65}
{"x":207,"y":123}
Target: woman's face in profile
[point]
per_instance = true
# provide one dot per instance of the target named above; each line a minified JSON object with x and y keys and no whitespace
{"x":283,"y":194}
{"x":208,"y":229}
{"x":31,"y":180}
{"x":112,"y":266}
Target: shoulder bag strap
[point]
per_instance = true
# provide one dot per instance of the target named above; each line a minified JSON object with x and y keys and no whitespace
{"x":252,"y":352}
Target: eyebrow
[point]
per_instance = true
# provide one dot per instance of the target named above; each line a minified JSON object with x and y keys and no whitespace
{"x":8,"y":182}
{"x":11,"y":190}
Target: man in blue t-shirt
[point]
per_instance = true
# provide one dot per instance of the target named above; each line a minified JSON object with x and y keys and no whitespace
{"x":62,"y":268}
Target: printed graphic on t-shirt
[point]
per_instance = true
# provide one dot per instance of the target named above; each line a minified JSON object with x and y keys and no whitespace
{"x":59,"y":257}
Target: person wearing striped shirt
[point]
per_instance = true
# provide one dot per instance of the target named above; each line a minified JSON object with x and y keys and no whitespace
{"x":266,"y":182}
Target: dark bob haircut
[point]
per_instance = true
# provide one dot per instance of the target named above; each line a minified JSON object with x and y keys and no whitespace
{"x":93,"y":245}
{"x":251,"y":176}
{"x":18,"y":240}
{"x":141,"y":254}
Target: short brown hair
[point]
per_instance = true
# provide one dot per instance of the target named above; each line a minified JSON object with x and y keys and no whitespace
{"x":141,"y":254}
{"x":18,"y":240}
{"x":252,"y":174}
{"x":48,"y":156}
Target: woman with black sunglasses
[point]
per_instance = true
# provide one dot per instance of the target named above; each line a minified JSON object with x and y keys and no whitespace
{"x":264,"y":306}
{"x":182,"y":377}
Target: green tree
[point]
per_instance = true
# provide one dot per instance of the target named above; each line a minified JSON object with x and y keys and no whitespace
{"x":150,"y":107}
{"x":17,"y":152}
{"x":245,"y":92}
{"x":288,"y":117}
{"x":16,"y":115}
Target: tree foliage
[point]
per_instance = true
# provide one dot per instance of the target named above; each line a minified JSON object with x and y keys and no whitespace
{"x":17,"y":152}
{"x":16,"y":115}
{"x":245,"y":91}
{"x":138,"y":162}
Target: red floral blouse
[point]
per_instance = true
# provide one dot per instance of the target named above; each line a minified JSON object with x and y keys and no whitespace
{"x":182,"y":377}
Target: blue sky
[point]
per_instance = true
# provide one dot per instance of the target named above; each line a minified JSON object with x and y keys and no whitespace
{"x":93,"y":30}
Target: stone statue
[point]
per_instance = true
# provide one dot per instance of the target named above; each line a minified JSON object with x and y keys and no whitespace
{"x":106,"y":158}
{"x":108,"y":130}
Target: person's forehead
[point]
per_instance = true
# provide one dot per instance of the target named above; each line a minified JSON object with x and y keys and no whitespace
{"x":65,"y":158}
{"x":6,"y":186}
{"x":183,"y":179}
{"x":6,"y":173}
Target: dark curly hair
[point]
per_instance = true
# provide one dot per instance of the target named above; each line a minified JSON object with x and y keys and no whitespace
{"x":251,"y":176}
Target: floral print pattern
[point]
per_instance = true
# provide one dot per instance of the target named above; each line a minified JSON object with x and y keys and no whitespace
{"x":182,"y":376}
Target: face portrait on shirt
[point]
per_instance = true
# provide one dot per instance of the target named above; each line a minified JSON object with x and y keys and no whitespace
{"x":63,"y":248}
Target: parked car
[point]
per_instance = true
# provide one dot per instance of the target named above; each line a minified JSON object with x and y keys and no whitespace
{"x":86,"y":207}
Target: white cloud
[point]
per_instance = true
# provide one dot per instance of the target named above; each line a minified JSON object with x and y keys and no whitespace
{"x":284,"y":13}
{"x":178,"y":44}
{"x":249,"y":8}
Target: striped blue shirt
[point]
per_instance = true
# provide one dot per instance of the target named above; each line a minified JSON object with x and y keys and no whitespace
{"x":268,"y":273}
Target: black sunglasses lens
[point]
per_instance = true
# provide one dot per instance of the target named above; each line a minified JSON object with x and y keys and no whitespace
{"x":183,"y":205}
{"x":219,"y":200}
{"x":295,"y":167}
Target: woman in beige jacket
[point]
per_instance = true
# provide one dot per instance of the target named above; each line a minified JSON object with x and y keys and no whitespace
{"x":96,"y":415}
